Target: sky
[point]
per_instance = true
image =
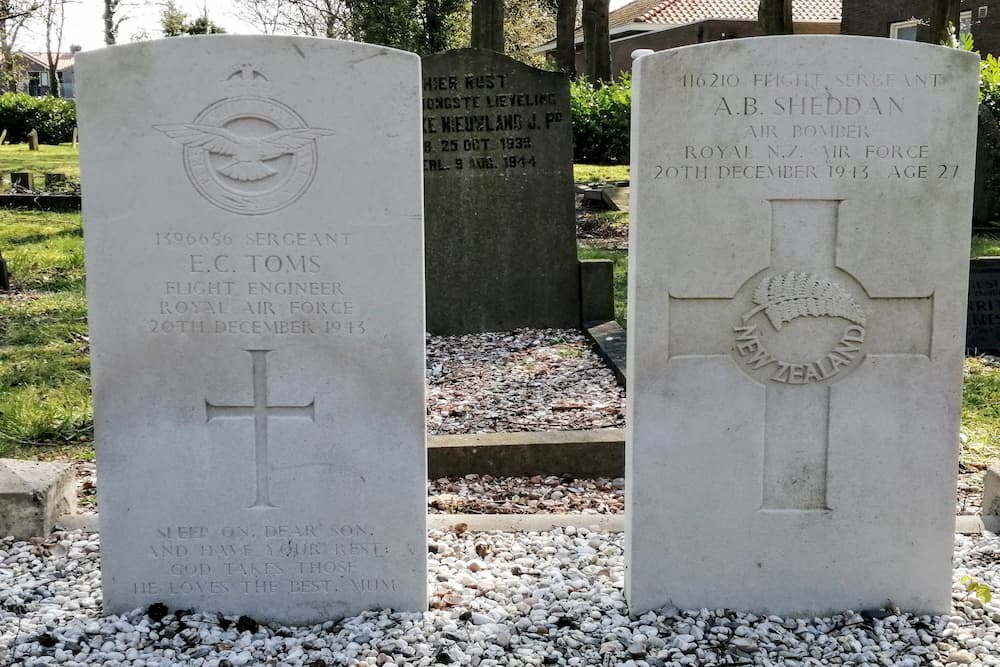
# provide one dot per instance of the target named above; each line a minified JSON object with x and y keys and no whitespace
{"x":85,"y":27}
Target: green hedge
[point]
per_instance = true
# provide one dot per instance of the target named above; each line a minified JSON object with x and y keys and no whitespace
{"x":54,"y":118}
{"x":601,"y":118}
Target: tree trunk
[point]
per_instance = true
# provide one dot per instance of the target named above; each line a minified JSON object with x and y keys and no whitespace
{"x":566,"y":36}
{"x":487,"y":25}
{"x":596,"y":40}
{"x":110,"y":6}
{"x":775,"y":17}
{"x":943,"y":13}
{"x":54,"y":89}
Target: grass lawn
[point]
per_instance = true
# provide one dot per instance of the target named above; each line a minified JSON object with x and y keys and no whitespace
{"x":987,"y":245}
{"x":61,"y":159}
{"x":588,"y":173}
{"x":44,"y":351}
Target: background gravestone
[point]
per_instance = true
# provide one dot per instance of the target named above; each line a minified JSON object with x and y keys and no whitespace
{"x":982,"y":328}
{"x":800,"y":240}
{"x":498,"y":195}
{"x":258,"y":349}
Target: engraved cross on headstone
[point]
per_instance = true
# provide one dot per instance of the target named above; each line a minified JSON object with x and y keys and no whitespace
{"x":260,"y":412}
{"x":799,"y":389}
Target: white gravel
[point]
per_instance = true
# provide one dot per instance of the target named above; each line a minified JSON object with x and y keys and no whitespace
{"x":497,"y":599}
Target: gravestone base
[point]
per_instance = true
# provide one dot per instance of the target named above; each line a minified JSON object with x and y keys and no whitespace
{"x":597,"y":290}
{"x":33,"y":495}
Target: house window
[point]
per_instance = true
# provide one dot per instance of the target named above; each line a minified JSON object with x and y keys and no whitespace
{"x":904,"y":30}
{"x":965,"y":23}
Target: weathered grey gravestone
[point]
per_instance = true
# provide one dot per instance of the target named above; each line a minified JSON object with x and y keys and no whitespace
{"x":55,"y":182}
{"x":982,"y":324}
{"x":258,"y":350}
{"x":799,"y":270}
{"x":498,"y":195}
{"x":21,"y":181}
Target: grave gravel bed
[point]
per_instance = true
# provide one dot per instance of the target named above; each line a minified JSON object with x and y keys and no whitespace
{"x":524,"y":380}
{"x":485,"y":494}
{"x":552,"y":598}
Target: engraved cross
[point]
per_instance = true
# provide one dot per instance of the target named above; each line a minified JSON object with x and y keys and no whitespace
{"x":813,"y":288}
{"x":260,"y":412}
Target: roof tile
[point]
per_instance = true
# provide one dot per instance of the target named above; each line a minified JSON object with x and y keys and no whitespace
{"x":674,"y":12}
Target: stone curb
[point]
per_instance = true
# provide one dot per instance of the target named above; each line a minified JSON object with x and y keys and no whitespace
{"x":604,"y":523}
{"x":587,"y":454}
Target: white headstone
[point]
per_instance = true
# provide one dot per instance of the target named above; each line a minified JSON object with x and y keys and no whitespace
{"x":253,"y":222}
{"x":799,"y":267}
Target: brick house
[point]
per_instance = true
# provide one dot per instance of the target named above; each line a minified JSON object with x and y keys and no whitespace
{"x":909,"y":19}
{"x":33,"y":73}
{"x":665,"y":24}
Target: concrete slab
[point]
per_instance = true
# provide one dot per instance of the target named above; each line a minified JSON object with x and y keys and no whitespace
{"x":609,"y":338}
{"x":32,"y":495}
{"x":616,"y":198}
{"x":991,"y":491}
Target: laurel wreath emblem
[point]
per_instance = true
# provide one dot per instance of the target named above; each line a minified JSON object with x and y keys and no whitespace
{"x":787,"y":296}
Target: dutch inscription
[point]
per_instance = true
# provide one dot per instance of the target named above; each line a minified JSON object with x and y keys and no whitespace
{"x":483,"y":122}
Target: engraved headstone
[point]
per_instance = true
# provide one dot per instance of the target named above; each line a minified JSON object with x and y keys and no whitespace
{"x":21,"y":181}
{"x":498,"y":192}
{"x":257,"y":348}
{"x":55,"y":182}
{"x":4,"y":276}
{"x":982,"y":328}
{"x":799,"y":263}
{"x":33,"y":140}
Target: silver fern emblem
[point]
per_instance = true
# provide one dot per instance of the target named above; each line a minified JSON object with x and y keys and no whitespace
{"x":787,"y":296}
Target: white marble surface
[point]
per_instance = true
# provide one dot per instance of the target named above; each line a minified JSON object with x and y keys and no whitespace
{"x":253,"y":229}
{"x":799,"y":267}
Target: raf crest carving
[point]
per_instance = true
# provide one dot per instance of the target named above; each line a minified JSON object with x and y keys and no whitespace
{"x":248,"y":154}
